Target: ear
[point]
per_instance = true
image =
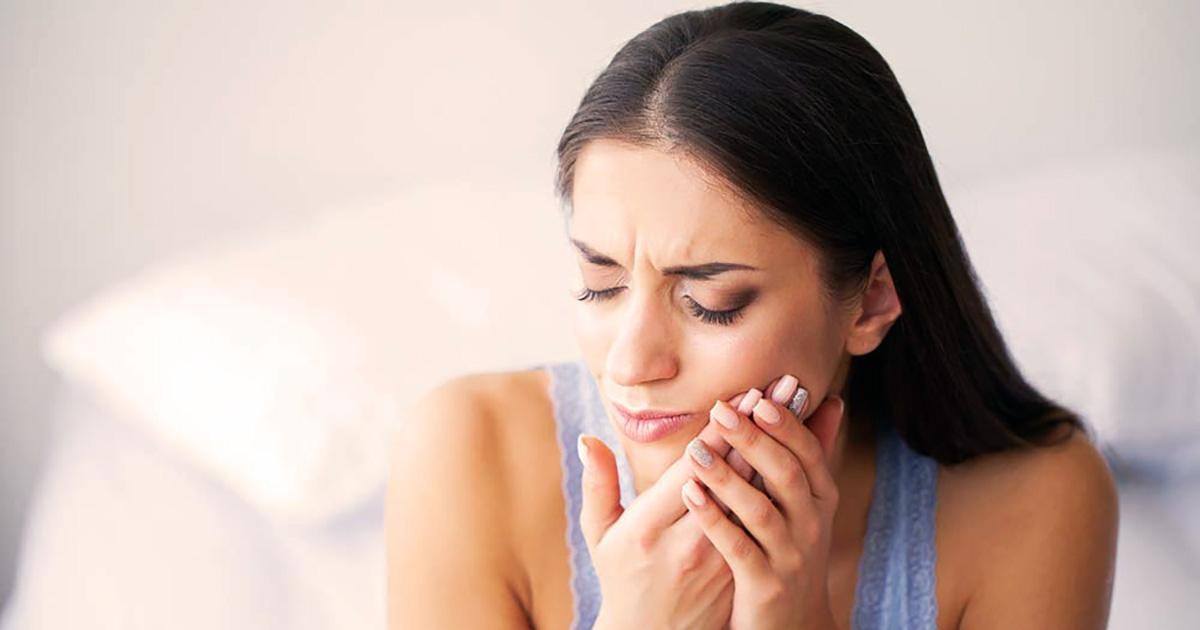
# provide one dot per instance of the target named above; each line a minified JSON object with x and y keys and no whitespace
{"x":878,"y":308}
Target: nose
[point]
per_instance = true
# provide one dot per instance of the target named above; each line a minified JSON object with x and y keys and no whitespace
{"x":643,"y":347}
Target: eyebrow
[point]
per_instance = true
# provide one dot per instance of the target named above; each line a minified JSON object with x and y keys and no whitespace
{"x":696,"y":272}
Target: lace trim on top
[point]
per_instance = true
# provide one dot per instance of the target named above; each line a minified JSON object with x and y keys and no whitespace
{"x":896,"y":576}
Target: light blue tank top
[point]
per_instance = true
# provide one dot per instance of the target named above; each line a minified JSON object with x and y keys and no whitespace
{"x":896,"y":580}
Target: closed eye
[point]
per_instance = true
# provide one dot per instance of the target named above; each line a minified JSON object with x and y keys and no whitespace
{"x":587,"y":294}
{"x":720,"y":318}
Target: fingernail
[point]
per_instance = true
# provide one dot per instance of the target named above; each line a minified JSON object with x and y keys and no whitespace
{"x":724,"y":414}
{"x":699,"y":452}
{"x":583,"y":450}
{"x":693,"y":493}
{"x":799,"y":401}
{"x":784,"y":389}
{"x":748,"y":401}
{"x":768,"y":413}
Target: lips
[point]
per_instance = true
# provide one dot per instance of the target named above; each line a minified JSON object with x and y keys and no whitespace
{"x":649,"y":414}
{"x":652,"y":424}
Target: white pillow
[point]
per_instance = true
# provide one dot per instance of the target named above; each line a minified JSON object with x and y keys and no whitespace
{"x":281,"y":364}
{"x":1093,"y":273}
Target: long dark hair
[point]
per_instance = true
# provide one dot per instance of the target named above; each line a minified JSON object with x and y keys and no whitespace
{"x":805,"y":118}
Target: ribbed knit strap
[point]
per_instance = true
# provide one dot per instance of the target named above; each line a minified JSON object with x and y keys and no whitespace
{"x":896,"y":574}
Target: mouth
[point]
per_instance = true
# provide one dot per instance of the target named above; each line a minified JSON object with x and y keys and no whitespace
{"x":652,"y":424}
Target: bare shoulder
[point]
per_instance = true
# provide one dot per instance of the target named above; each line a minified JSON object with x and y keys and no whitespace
{"x":473,"y":423}
{"x":474,"y":434}
{"x":528,"y":463}
{"x":1034,"y":534}
{"x":501,"y":419}
{"x":1060,"y":478}
{"x":450,"y":502}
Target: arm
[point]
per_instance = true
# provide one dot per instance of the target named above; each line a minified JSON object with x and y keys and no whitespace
{"x":448,"y":561}
{"x":1055,"y":544}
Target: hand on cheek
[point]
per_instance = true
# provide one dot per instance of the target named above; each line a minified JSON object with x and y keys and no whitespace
{"x":781,"y":545}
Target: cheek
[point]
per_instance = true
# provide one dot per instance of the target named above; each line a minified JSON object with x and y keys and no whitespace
{"x":756,"y":354}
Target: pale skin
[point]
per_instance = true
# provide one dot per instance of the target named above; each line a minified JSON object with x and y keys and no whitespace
{"x":474,"y":493}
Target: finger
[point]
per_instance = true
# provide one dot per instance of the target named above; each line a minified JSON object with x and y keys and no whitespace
{"x":814,"y":439}
{"x":756,"y":511}
{"x":776,"y":390}
{"x":600,"y":489}
{"x":745,"y":558}
{"x":659,"y":506}
{"x":788,"y":393}
{"x":744,"y":403}
{"x":813,"y":451}
{"x":739,"y":463}
{"x":687,"y":530}
{"x":741,"y":467}
{"x":782,"y":473}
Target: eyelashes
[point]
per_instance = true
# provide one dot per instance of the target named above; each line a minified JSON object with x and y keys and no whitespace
{"x":587,"y":294}
{"x":723,"y":318}
{"x":720,"y":318}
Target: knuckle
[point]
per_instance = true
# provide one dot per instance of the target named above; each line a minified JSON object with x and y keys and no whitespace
{"x":743,"y":547}
{"x":771,"y":593}
{"x":792,"y":474}
{"x":810,"y":449}
{"x":762,"y":513}
{"x":645,"y":541}
{"x":693,"y":557}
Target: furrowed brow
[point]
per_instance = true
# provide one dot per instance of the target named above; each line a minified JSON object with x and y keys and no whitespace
{"x":697,"y":272}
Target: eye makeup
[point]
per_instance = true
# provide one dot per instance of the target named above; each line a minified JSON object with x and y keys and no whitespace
{"x":718,"y":317}
{"x":721,"y":318}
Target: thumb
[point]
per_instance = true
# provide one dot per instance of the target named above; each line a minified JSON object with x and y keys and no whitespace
{"x":825,"y":422}
{"x":601,"y":489}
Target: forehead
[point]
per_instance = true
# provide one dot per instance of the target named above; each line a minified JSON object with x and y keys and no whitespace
{"x":667,"y":202}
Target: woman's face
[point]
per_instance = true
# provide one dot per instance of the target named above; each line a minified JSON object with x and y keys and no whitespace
{"x":702,"y":298}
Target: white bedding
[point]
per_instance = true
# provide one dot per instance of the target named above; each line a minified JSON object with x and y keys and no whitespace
{"x":124,"y":534}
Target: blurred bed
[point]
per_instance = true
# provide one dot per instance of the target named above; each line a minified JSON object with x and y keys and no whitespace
{"x":222,"y":422}
{"x":126,"y":534}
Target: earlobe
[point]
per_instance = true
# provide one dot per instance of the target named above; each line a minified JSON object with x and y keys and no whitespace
{"x":879,"y":307}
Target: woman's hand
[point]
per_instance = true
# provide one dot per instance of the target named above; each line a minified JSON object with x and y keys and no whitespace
{"x":655,"y":566}
{"x":780,"y":560}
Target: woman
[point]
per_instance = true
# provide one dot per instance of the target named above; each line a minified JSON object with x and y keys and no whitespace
{"x":763,"y":244}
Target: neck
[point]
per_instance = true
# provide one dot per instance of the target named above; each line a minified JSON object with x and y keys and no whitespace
{"x":853,"y":469}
